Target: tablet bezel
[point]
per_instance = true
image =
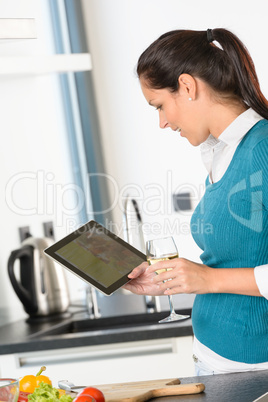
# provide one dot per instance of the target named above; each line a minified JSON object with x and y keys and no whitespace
{"x":51,"y":252}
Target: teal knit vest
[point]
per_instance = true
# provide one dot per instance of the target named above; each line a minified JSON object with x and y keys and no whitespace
{"x":230,"y":225}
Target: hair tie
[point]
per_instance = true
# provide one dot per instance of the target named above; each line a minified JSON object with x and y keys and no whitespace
{"x":209,"y":35}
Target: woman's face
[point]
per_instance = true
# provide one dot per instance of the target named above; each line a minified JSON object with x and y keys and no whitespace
{"x":177,"y":112}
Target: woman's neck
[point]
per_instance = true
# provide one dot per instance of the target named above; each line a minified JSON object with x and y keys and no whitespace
{"x":222,"y":115}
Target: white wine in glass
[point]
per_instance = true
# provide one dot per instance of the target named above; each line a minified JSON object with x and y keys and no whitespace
{"x":161,"y":250}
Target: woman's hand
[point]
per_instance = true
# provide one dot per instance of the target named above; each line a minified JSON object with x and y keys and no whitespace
{"x":142,"y":282}
{"x":183,"y":276}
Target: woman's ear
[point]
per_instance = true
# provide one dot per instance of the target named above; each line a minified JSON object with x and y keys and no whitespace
{"x":187,"y":85}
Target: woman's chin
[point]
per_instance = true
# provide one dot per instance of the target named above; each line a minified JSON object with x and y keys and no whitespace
{"x":194,"y":142}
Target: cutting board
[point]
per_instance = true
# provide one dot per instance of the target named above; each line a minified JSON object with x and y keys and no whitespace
{"x":141,"y":391}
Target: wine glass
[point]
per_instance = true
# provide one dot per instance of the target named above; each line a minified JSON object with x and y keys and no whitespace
{"x":161,"y":250}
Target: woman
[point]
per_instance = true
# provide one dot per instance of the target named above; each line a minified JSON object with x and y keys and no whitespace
{"x":204,"y":85}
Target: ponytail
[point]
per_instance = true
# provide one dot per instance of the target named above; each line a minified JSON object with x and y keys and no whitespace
{"x":228,"y":68}
{"x":244,"y":68}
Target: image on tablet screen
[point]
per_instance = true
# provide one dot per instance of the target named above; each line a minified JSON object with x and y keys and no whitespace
{"x":99,"y":256}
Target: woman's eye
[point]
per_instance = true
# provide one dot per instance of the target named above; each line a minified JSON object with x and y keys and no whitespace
{"x":158,"y":108}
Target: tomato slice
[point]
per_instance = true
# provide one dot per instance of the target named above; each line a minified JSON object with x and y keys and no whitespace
{"x":23,"y":396}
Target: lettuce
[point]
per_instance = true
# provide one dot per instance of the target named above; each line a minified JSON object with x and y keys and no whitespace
{"x":46,"y":393}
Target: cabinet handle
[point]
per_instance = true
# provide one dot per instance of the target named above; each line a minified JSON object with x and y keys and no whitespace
{"x":56,"y":358}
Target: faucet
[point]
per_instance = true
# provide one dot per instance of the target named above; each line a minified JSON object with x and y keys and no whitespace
{"x":131,"y":207}
{"x":92,"y":302}
{"x":152,"y":304}
{"x":133,"y":220}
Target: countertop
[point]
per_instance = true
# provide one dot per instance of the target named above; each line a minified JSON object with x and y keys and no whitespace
{"x":75,"y":329}
{"x":237,"y":387}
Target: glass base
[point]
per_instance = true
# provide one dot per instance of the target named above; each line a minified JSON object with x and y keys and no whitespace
{"x":174,"y":317}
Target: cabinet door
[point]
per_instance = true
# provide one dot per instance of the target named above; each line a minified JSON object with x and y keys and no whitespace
{"x":131,"y":361}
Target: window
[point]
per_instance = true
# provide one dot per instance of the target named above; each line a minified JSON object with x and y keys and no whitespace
{"x":80,"y":110}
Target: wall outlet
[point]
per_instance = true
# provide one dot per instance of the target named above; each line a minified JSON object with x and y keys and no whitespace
{"x":24,"y":233}
{"x":48,"y":229}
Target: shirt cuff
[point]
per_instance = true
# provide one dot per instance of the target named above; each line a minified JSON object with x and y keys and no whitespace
{"x":261,"y":277}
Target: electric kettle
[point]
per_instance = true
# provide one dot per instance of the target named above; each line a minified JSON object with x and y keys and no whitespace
{"x":42,"y":287}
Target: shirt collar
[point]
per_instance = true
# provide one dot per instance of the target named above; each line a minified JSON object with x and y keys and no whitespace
{"x":231,"y":136}
{"x":239,"y":127}
{"x":235,"y":131}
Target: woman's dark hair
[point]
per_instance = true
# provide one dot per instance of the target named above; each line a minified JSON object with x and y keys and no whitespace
{"x":226,"y":66}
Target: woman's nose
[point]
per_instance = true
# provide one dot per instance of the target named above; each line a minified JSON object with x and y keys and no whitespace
{"x":163,"y":123}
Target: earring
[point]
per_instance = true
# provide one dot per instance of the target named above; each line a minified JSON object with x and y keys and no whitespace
{"x":190,"y":99}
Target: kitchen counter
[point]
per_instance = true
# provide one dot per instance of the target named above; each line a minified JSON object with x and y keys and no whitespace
{"x":124,"y":318}
{"x":76,"y":330}
{"x":237,"y":387}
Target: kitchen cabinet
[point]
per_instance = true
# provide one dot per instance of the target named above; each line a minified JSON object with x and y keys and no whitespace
{"x":32,"y":65}
{"x":110,"y":363}
{"x":17,"y":28}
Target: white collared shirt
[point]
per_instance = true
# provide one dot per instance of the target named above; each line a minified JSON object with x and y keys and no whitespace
{"x":217,"y":154}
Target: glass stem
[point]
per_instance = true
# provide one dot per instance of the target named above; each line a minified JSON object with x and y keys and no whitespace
{"x":172,"y":311}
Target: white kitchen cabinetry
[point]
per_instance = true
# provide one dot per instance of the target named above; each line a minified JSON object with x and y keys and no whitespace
{"x":34,"y":65}
{"x":120,"y":362}
{"x":17,"y":28}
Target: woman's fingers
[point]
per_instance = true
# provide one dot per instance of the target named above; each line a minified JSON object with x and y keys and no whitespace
{"x":164,"y":265}
{"x":181,"y":276}
{"x":139,"y":270}
{"x":143,"y":285}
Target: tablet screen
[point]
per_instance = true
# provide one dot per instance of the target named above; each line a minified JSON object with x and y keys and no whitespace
{"x":97,"y":256}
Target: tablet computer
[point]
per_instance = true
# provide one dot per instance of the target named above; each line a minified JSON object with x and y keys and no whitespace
{"x":97,"y":256}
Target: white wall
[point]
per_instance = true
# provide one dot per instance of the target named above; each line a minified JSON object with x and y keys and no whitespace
{"x":138,"y":153}
{"x":35,"y":166}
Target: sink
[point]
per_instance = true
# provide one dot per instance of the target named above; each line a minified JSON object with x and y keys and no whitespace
{"x":85,"y":324}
